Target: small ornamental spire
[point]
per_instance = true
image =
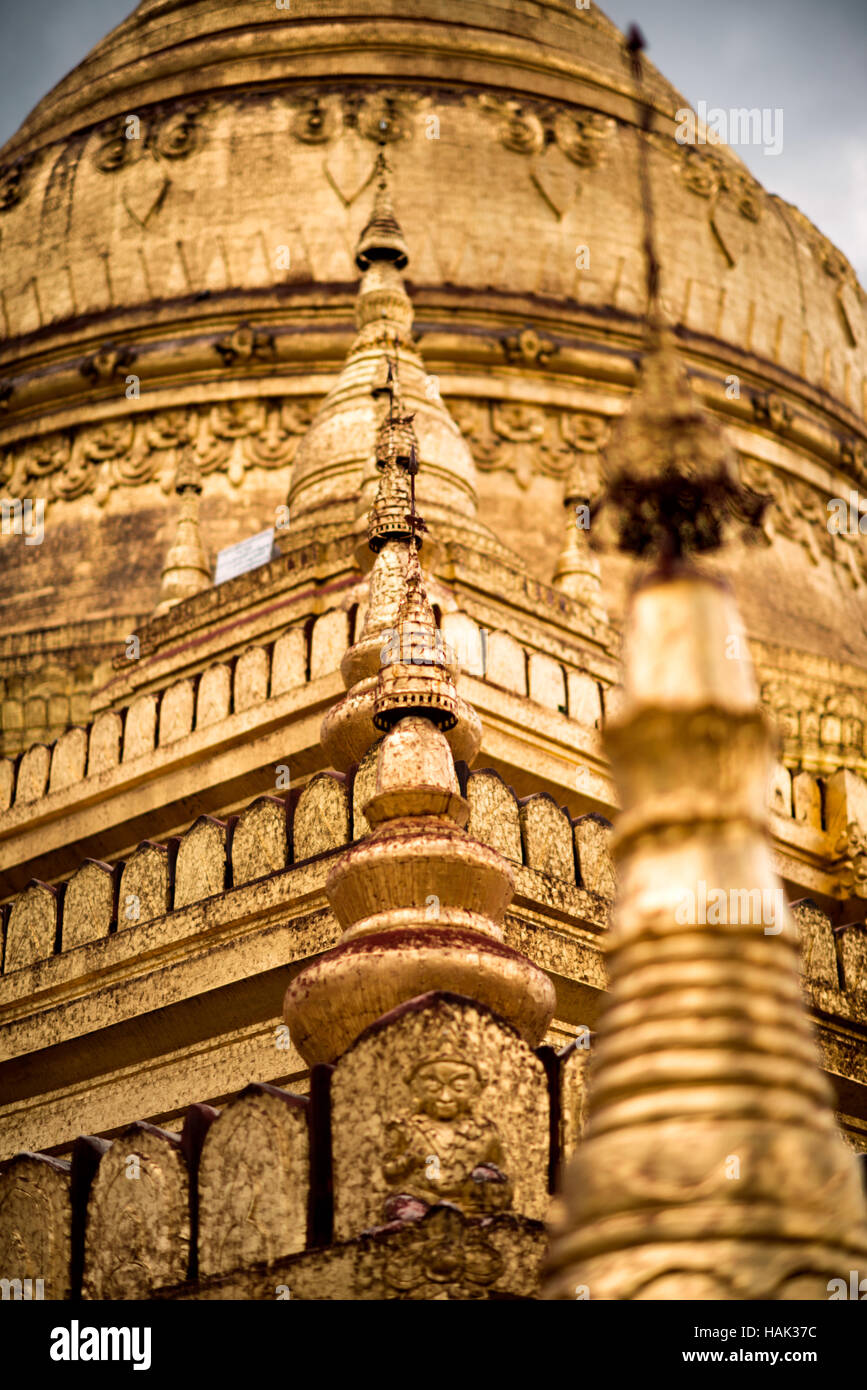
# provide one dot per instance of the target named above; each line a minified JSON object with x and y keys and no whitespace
{"x":186,"y":571}
{"x":578,"y":572}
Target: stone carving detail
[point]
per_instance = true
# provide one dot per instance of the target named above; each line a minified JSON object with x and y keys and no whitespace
{"x":253,"y":1181}
{"x":138,"y":1221}
{"x":710,"y":176}
{"x":527,"y":439}
{"x":770,"y":410}
{"x":139,"y":151}
{"x":733,"y":196}
{"x":440,"y":1102}
{"x":799,"y":513}
{"x":520,"y":130}
{"x":555,"y":141}
{"x":179,"y":134}
{"x":443,"y":1151}
{"x":581,"y":134}
{"x":167,"y":135}
{"x":584,"y":138}
{"x":702,"y":172}
{"x":231,"y":437}
{"x":111,"y":361}
{"x":851,"y":846}
{"x":259,"y":841}
{"x":441,"y":1256}
{"x":528,"y":348}
{"x":853,"y":457}
{"x":385,"y":117}
{"x":823,"y":730}
{"x":35,"y":1223}
{"x":246,"y":344}
{"x":316,"y":122}
{"x":32,"y":927}
{"x":14,"y":181}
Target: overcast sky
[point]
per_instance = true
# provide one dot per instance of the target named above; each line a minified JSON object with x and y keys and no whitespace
{"x":805,"y":57}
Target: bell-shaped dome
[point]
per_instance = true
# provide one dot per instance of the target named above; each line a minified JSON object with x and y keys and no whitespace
{"x":180,"y":218}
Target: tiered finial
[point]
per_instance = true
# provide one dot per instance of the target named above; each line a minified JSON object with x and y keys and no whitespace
{"x":671,"y":476}
{"x":419,"y":670}
{"x":390,"y":518}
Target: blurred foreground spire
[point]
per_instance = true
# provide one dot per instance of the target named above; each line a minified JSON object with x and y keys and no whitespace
{"x":711,"y":1166}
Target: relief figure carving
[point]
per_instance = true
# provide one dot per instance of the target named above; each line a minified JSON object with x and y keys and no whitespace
{"x":444,"y":1151}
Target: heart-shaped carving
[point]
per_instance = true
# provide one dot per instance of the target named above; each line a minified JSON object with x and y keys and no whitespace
{"x":144,"y":185}
{"x":554,"y":176}
{"x":730,"y":229}
{"x":349,"y":167}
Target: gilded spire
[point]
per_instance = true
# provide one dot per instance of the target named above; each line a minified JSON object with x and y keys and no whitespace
{"x":336,"y":461}
{"x":420,"y":902}
{"x":186,"y":571}
{"x":393,"y":537}
{"x":711,"y":1166}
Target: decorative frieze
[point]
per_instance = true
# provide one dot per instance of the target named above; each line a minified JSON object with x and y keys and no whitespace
{"x":230,"y":438}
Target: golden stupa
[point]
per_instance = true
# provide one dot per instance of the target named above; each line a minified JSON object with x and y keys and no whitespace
{"x":308,"y":875}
